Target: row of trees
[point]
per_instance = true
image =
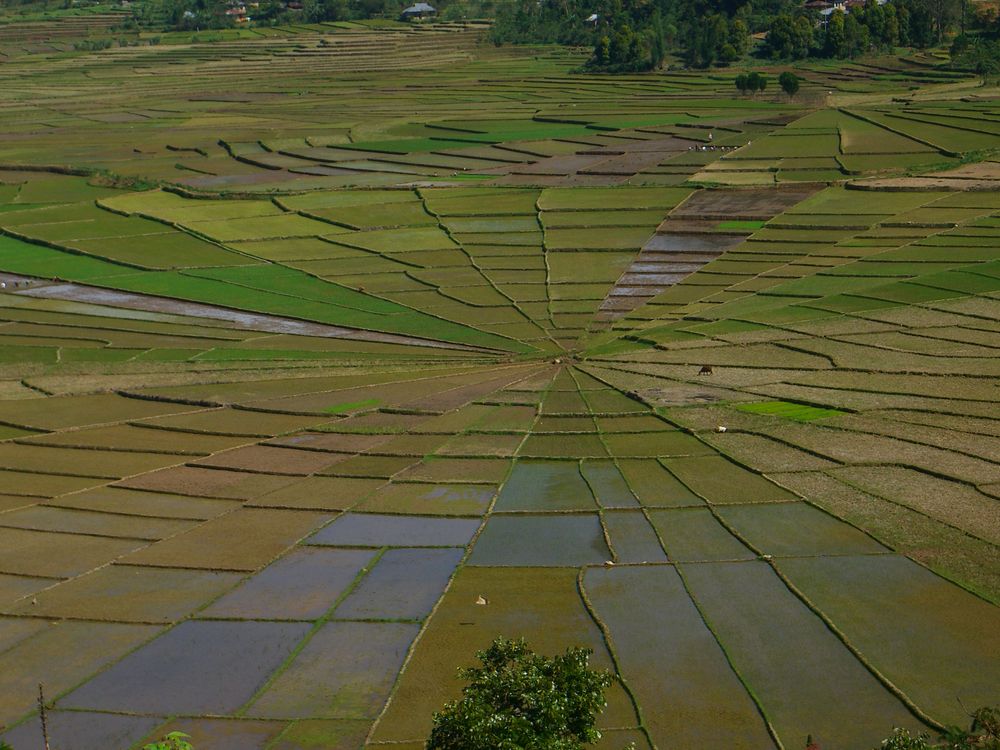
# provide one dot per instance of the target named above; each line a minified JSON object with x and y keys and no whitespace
{"x":194,"y":15}
{"x":719,"y":39}
{"x":867,"y":28}
{"x":754,"y":82}
{"x":631,"y":35}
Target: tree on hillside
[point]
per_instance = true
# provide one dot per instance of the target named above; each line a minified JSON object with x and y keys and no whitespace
{"x":623,"y":51}
{"x":316,"y":11}
{"x":790,"y":38}
{"x":658,"y":41}
{"x":756,"y":82}
{"x":943,"y":14}
{"x":916,"y":24}
{"x":789,"y":83}
{"x":856,"y":36}
{"x":520,"y":699}
{"x":978,"y":54}
{"x":717,"y":40}
{"x":835,"y":39}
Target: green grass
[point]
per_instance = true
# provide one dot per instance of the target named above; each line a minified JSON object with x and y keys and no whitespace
{"x":349,"y":406}
{"x":740,"y":224}
{"x":789,"y":410}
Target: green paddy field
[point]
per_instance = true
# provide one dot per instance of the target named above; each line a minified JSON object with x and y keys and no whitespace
{"x":331,"y":354}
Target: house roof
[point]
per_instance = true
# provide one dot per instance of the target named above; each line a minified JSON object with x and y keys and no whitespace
{"x":420,"y":8}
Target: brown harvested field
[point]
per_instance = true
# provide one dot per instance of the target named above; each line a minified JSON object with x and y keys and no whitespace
{"x":474,"y":445}
{"x":320,"y":493}
{"x":265,"y":534}
{"x":201,"y":482}
{"x":742,"y":204}
{"x":78,"y":411}
{"x":134,"y":437}
{"x":99,"y":463}
{"x":40,"y":485}
{"x":269,"y":459}
{"x":333,"y":442}
{"x":235,"y":422}
{"x":111,"y":499}
{"x":78,"y":521}
{"x":58,"y":555}
{"x":478,"y":470}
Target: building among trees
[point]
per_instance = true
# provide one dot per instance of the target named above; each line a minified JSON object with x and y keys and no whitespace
{"x":418,"y":10}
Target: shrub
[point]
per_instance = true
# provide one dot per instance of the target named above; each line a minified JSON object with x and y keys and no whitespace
{"x":901,"y":739}
{"x":518,"y":698}
{"x":983,"y":734}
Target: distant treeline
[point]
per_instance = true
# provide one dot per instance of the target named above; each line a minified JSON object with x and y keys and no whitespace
{"x":634,"y":35}
{"x":195,"y":15}
{"x":864,"y":29}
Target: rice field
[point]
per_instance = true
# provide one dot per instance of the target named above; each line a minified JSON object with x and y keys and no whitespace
{"x":311,"y":388}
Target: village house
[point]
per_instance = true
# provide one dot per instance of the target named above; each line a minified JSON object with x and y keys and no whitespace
{"x":418,"y":11}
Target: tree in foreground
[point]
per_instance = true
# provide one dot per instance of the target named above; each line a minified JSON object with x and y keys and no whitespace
{"x":520,"y":700}
{"x":172,"y":741}
{"x":983,"y":734}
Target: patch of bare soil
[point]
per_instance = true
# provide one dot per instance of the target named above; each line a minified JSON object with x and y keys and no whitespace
{"x":756,"y":203}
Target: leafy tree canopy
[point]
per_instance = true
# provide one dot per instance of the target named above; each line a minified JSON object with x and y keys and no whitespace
{"x":983,"y":734}
{"x":172,"y":741}
{"x":979,"y":54}
{"x":789,"y":83}
{"x":520,"y":700}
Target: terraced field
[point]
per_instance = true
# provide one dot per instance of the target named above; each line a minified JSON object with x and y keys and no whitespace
{"x":311,"y":388}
